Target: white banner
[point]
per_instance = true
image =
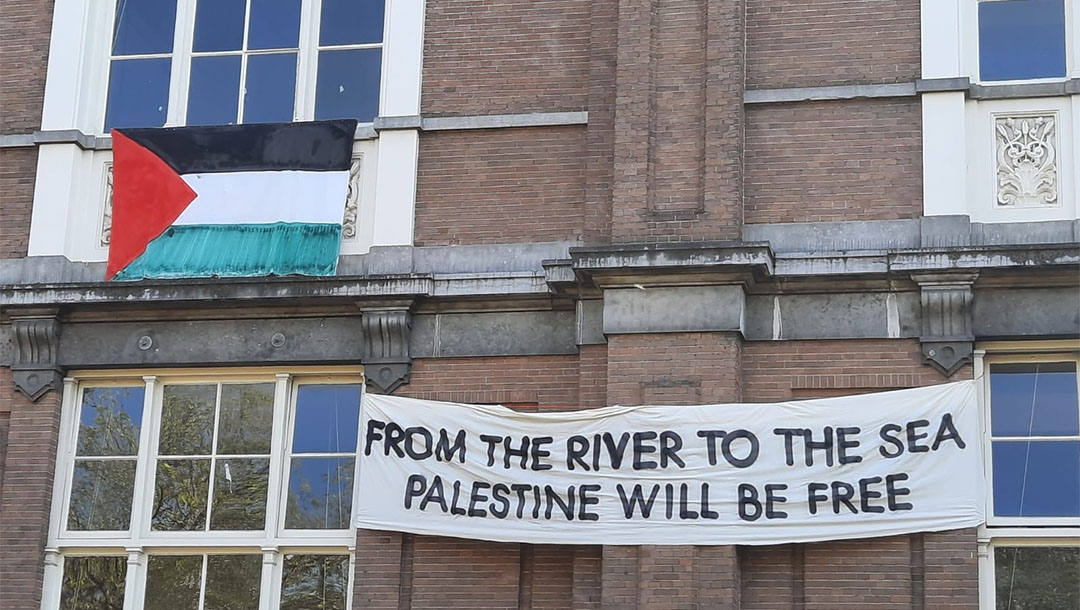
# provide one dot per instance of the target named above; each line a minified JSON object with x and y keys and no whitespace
{"x":812,"y":470}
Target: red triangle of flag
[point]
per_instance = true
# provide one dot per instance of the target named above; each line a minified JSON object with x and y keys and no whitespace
{"x":148,"y":196}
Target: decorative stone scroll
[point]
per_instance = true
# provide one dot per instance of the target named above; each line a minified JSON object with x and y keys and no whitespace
{"x":385,"y":352}
{"x":1026,"y":161}
{"x":352,"y":199}
{"x":947,"y":339}
{"x":37,"y":342}
{"x":106,"y":214}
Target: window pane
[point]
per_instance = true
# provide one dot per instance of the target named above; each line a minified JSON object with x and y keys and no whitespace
{"x":110,"y":420}
{"x":247,"y":417}
{"x":144,"y":26}
{"x":1034,"y":399}
{"x":101,"y":493}
{"x":1037,"y":478}
{"x":351,"y":21}
{"x":219,"y":25}
{"x":314,"y":581}
{"x":275,"y":24}
{"x":347,"y":85}
{"x":214,"y":91}
{"x":138,"y":93}
{"x":232,"y":582}
{"x":173,"y":582}
{"x":180,"y":491}
{"x":240,"y":494}
{"x":320,"y":493}
{"x":326,"y":418}
{"x":1037,"y":578}
{"x":1021,"y":39}
{"x":93,"y":583}
{"x":271,"y":83}
{"x":187,"y":419}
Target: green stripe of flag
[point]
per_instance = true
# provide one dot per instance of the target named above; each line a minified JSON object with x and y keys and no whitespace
{"x":239,"y":250}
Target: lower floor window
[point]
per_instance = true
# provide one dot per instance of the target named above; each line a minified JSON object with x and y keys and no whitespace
{"x":1037,"y":577}
{"x":234,"y":581}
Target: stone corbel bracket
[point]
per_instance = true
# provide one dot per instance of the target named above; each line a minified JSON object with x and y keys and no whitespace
{"x":385,"y":351}
{"x":36,"y":338}
{"x":947,"y":339}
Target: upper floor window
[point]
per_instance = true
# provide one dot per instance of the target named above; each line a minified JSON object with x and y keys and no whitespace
{"x":203,"y":62}
{"x":1033,"y":459}
{"x":1021,"y":39}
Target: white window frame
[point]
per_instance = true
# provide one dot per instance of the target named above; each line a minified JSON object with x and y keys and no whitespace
{"x":139,"y":542}
{"x":69,"y":192}
{"x":1015,"y":531}
{"x":957,"y":158}
{"x":970,"y":46}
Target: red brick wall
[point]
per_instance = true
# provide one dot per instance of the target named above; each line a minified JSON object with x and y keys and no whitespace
{"x":782,"y":370}
{"x":831,"y":161}
{"x":33,"y":429}
{"x":17,"y":169}
{"x":808,"y":43}
{"x":499,"y":186}
{"x":548,"y":381}
{"x":592,"y":379}
{"x":673,"y":368}
{"x":600,"y":138}
{"x":678,"y":121}
{"x":505,"y":56}
{"x":24,"y":47}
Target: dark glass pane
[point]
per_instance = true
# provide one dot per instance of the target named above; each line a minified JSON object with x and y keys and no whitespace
{"x":246,"y":419}
{"x":110,"y":420}
{"x":144,"y":26}
{"x":173,"y":582}
{"x":187,"y":419}
{"x":240,"y":494}
{"x":232,"y":582}
{"x":326,"y":418}
{"x":1021,"y":39}
{"x":219,"y":25}
{"x":93,"y":583}
{"x":180,"y":491}
{"x":347,"y":86}
{"x":101,"y":493}
{"x":271,"y":84}
{"x":314,"y":581}
{"x":1037,"y":577}
{"x":1034,"y":399}
{"x":214,"y":91}
{"x":138,"y":93}
{"x":320,"y":493}
{"x":275,"y":24}
{"x":1036,"y":478}
{"x":351,"y":21}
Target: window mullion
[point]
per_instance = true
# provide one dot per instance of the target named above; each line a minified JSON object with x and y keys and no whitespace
{"x":184,"y":32}
{"x":304,"y":106}
{"x":143,"y":467}
{"x":275,"y":493}
{"x":133,"y":579}
{"x":267,"y":591}
{"x":153,"y":422}
{"x":202,"y":582}
{"x":213,"y":460}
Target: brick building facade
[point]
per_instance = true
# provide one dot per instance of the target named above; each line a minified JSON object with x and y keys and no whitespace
{"x":571,"y":204}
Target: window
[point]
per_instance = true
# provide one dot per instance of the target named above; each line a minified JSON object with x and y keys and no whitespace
{"x":207,"y":62}
{"x":206,"y":491}
{"x":1021,"y":39}
{"x":1032,"y":538}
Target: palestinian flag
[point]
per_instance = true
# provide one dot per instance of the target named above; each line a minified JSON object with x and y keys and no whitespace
{"x":231,"y":200}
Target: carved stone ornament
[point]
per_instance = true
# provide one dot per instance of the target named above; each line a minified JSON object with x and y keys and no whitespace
{"x":352,"y":199}
{"x":947,"y":339}
{"x":1026,"y":159}
{"x":106,"y":214}
{"x":385,"y":352}
{"x":37,"y":342}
